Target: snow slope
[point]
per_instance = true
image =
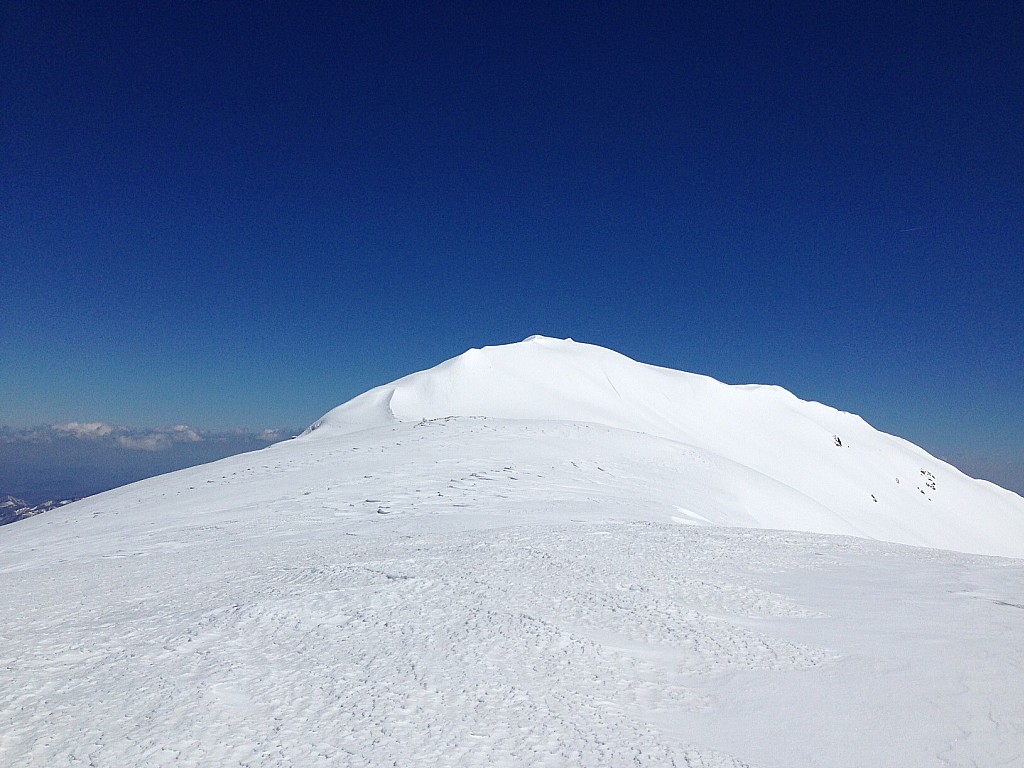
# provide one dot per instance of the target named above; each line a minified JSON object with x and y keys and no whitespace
{"x":818,"y":469}
{"x":517,"y":589}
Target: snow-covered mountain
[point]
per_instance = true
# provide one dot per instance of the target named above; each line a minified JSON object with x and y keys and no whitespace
{"x":750,"y":455}
{"x":536,"y":554}
{"x":13,"y":509}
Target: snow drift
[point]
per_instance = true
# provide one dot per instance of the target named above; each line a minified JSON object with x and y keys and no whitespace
{"x":782,"y":462}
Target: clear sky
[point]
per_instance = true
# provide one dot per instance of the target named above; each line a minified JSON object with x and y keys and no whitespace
{"x":242,"y":214}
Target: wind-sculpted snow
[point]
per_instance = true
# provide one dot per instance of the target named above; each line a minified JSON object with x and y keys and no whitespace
{"x":478,"y":591}
{"x":814,"y":468}
{"x":581,"y":644}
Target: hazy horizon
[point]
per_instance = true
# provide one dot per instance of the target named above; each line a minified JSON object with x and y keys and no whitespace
{"x":77,"y":459}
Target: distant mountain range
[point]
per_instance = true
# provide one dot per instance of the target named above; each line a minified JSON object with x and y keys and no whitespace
{"x":13,"y":509}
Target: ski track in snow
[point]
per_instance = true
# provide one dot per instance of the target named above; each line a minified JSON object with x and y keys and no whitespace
{"x":448,"y":593}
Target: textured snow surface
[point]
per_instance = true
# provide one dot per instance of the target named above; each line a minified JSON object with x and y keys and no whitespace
{"x":751,"y":455}
{"x":517,"y":590}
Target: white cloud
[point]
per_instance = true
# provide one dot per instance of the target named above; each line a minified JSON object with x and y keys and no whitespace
{"x":88,"y":430}
{"x":151,"y":442}
{"x":182,"y":433}
{"x":140,"y":439}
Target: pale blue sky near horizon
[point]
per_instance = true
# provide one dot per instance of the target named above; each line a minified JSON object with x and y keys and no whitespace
{"x":241,"y":217}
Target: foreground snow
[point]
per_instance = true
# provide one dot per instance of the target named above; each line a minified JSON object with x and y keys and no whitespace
{"x":478,"y":591}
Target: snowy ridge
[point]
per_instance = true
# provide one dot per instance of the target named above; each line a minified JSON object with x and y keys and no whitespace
{"x":525,"y":584}
{"x":847,"y":477}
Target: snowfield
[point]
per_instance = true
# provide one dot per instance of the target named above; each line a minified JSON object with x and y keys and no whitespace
{"x":543,"y":554}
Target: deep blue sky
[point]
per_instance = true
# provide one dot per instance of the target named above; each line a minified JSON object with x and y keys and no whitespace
{"x":244,"y":215}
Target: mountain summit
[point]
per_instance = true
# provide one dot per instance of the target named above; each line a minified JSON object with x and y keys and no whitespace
{"x":766,"y":458}
{"x":536,"y":554}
